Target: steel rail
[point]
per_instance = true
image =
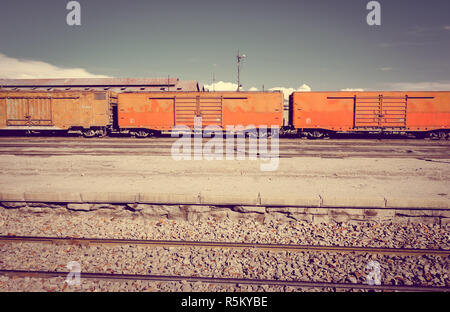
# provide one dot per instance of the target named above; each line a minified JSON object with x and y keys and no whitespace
{"x":313,"y":147}
{"x":222,"y":280}
{"x":233,"y":245}
{"x":283,"y":141}
{"x":286,"y":140}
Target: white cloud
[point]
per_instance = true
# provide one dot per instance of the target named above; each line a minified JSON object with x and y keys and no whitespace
{"x":230,"y":86}
{"x":352,"y":89}
{"x":288,"y":91}
{"x":222,"y":86}
{"x":421,"y":86}
{"x":386,"y":68}
{"x":28,"y":69}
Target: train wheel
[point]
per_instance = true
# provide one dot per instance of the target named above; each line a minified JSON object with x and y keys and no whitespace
{"x":439,"y":135}
{"x":142,"y":133}
{"x":317,"y":135}
{"x":258,"y":134}
{"x":89,"y":133}
{"x":443,"y":135}
{"x":102,"y":133}
{"x":275,"y":133}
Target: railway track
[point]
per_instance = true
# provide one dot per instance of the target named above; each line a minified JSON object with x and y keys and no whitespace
{"x":165,"y":140}
{"x":20,"y":273}
{"x":231,"y":245}
{"x":216,"y":280}
{"x":390,"y":148}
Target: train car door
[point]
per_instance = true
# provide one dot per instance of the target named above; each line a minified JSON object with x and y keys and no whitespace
{"x":185,"y":111}
{"x":393,"y":112}
{"x":380,"y":111}
{"x":211,"y":111}
{"x":28,"y":111}
{"x":367,"y":111}
{"x":209,"y":108}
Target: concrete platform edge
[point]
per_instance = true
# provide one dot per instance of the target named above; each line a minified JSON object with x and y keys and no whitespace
{"x":255,"y":199}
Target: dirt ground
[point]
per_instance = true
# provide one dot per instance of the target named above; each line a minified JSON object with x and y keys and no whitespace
{"x":348,"y":177}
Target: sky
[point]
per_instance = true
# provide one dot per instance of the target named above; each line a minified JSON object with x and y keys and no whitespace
{"x":304,"y":45}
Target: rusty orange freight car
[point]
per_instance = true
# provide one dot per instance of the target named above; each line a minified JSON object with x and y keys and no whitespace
{"x":143,"y":113}
{"x":319,"y":113}
{"x":84,"y":112}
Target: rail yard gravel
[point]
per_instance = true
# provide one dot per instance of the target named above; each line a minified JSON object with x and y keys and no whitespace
{"x":57,"y":284}
{"x":246,"y":263}
{"x":109,"y":222}
{"x":104,"y":223}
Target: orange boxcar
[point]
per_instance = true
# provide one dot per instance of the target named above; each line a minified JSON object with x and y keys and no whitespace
{"x":163,"y":110}
{"x":88,"y":111}
{"x":412,"y":111}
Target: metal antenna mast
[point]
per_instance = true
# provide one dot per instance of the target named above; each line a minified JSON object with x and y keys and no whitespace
{"x":214,"y":77}
{"x":239,"y":58}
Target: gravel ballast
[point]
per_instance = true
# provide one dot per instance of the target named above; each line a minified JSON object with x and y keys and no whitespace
{"x":246,"y":263}
{"x":105,"y":223}
{"x":58,"y":284}
{"x":252,"y":263}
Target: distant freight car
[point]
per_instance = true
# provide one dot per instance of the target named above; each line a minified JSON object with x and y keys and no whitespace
{"x":317,"y":114}
{"x":85,"y":112}
{"x":144,"y":113}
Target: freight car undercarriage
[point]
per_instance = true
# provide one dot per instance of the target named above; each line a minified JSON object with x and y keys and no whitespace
{"x":380,"y":133}
{"x":284,"y":132}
